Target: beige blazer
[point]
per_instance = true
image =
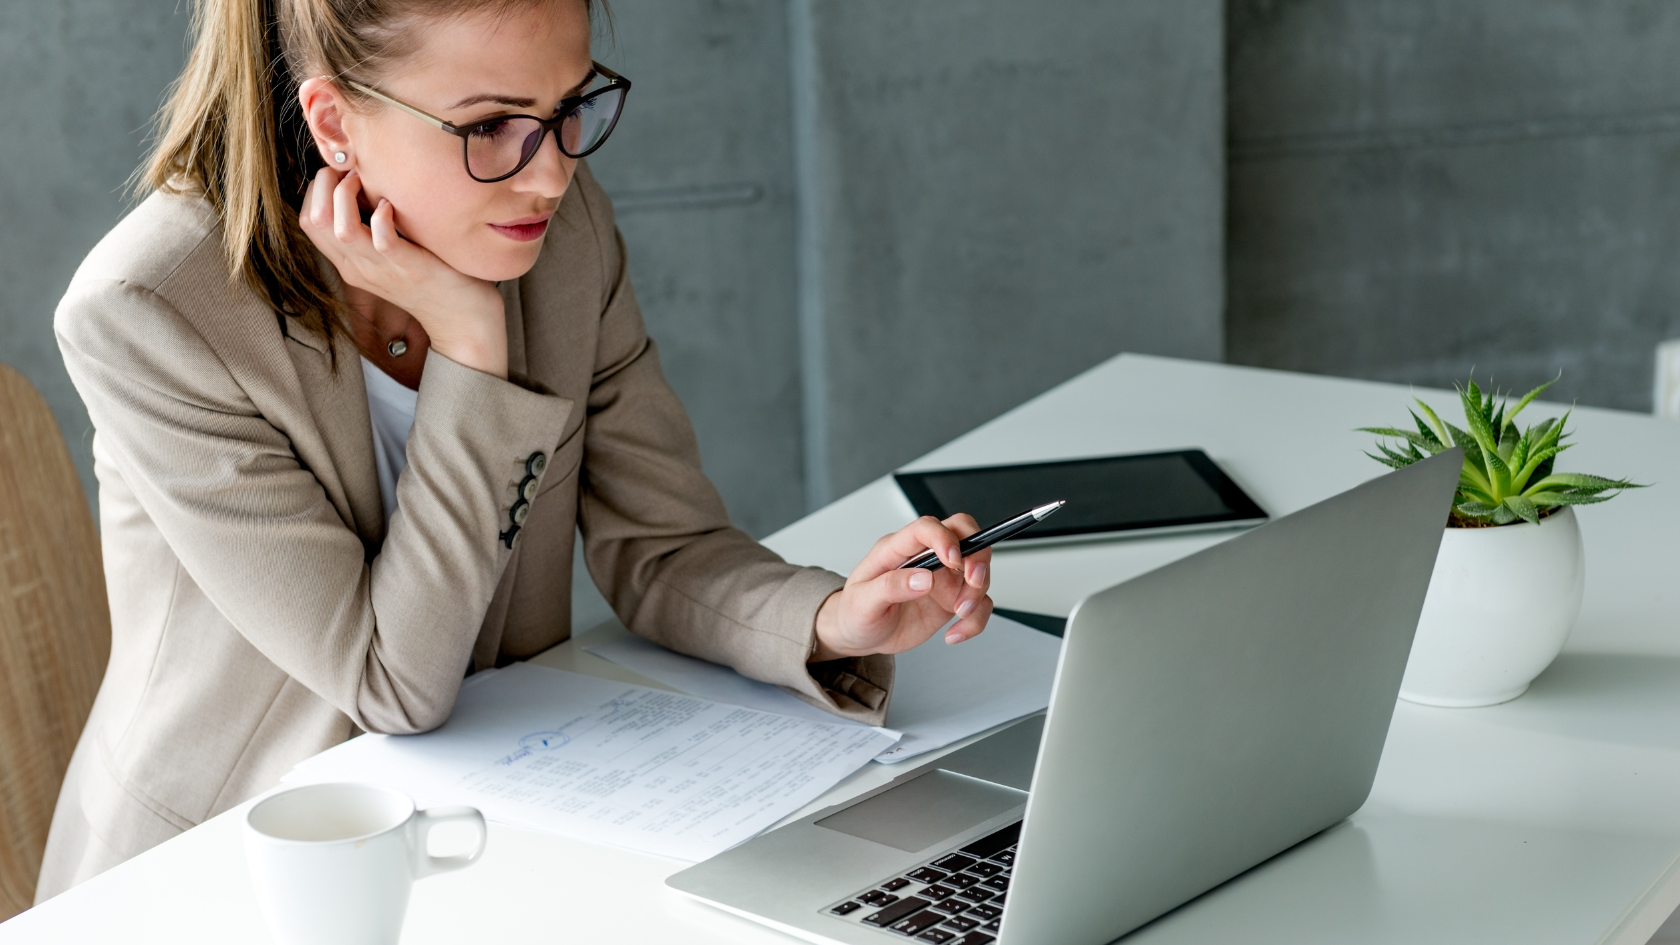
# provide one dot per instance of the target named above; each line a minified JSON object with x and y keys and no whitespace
{"x":263,"y":610}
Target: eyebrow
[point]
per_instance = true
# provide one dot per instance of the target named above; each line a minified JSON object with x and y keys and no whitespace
{"x":493,"y":98}
{"x":513,"y":101}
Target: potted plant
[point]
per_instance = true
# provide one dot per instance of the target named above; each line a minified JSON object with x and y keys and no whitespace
{"x":1508,"y":580}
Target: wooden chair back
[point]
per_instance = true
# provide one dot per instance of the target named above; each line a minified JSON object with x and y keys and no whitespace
{"x":55,"y":629}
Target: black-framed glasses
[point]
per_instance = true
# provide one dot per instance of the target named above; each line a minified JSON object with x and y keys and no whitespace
{"x":500,"y":147}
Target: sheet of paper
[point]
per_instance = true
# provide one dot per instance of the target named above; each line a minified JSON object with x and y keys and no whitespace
{"x":659,"y":772}
{"x":941,"y":694}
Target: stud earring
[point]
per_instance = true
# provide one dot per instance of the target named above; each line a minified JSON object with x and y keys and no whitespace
{"x":340,"y":156}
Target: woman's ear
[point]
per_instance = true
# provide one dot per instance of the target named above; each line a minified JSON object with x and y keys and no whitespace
{"x":324,"y":107}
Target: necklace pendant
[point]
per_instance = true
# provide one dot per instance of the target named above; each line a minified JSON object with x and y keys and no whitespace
{"x":398,"y":348}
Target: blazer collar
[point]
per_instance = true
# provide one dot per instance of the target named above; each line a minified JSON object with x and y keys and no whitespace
{"x":338,"y":402}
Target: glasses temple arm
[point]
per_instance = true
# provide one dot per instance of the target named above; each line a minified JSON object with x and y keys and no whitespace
{"x":417,"y":113}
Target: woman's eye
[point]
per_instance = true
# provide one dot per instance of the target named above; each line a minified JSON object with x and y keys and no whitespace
{"x":489,"y":129}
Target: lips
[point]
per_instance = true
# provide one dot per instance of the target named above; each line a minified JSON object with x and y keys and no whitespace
{"x":525,"y":230}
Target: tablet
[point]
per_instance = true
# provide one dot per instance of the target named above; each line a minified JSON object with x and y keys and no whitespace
{"x":1107,"y":496}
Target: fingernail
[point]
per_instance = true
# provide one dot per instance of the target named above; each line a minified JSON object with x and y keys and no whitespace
{"x":981,"y":573}
{"x":921,"y":581}
{"x":954,"y":637}
{"x":965,"y":608}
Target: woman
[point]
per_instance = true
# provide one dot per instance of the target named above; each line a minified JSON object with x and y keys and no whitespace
{"x":357,"y":373}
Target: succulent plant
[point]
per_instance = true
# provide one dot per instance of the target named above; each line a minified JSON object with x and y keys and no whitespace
{"x":1507,"y":475}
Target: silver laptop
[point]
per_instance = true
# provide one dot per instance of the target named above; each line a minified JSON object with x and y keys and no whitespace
{"x":1205,"y":717}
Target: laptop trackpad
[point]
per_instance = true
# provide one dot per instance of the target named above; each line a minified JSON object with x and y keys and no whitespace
{"x":917,"y":814}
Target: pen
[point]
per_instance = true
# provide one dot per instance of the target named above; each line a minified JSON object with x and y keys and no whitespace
{"x":1008,"y":528}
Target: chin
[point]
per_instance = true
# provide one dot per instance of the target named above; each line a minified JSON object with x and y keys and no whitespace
{"x":499,"y":264}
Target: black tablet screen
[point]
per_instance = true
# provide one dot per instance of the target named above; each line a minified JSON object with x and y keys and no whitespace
{"x":1113,"y":493}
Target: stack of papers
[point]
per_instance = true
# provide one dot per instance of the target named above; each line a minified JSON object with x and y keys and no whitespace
{"x":649,"y":770}
{"x":942,"y":693}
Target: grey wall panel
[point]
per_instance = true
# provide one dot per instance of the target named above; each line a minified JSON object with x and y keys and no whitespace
{"x":1308,"y":67}
{"x":1417,"y":188}
{"x":700,"y":169}
{"x":1006,"y":193}
{"x":81,"y":80}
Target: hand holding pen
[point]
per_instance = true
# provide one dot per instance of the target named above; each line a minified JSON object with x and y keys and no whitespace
{"x":890,"y":605}
{"x":1008,"y":528}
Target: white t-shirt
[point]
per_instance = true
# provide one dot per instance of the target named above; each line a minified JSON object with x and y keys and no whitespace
{"x":391,"y":409}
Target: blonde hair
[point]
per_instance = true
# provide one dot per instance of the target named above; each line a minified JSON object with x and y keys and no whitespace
{"x":231,"y":129}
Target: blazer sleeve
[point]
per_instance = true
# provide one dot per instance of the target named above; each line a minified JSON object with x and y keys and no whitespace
{"x":385,"y":641}
{"x":657,"y":537}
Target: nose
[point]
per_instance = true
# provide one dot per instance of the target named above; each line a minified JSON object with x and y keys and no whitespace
{"x":549,"y":173}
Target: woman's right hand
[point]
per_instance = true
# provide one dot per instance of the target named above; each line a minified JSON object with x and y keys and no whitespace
{"x":463,"y":316}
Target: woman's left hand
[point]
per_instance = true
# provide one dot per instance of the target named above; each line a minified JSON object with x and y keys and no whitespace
{"x":885,"y":610}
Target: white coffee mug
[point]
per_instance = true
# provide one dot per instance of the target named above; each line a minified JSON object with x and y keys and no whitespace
{"x":334,"y":863}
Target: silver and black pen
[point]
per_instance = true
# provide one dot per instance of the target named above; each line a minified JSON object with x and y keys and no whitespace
{"x":1008,"y":528}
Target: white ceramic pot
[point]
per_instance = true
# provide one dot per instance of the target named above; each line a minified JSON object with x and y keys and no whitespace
{"x":1500,"y":605}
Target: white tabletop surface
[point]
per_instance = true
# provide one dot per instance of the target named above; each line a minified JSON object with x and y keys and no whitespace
{"x":1554,"y":818}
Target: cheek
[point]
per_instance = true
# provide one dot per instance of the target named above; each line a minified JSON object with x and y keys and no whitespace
{"x":439,"y":212}
{"x":467,"y":243}
{"x":447,"y":212}
{"x":438,"y":206}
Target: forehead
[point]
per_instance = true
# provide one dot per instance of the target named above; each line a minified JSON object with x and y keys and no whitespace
{"x":537,"y":51}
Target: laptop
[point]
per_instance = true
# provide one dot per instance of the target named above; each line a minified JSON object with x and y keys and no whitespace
{"x":1205,"y":717}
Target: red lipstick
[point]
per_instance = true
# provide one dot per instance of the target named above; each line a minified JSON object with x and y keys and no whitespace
{"x":524,"y":230}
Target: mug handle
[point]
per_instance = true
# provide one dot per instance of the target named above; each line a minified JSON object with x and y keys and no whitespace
{"x":421,"y":828}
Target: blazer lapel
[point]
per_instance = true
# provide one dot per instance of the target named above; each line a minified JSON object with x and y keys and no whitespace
{"x":338,"y":402}
{"x":512,"y":304}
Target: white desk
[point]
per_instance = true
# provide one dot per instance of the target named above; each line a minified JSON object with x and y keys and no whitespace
{"x":1554,"y":818}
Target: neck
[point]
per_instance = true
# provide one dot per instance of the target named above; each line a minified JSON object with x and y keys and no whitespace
{"x":370,"y":311}
{"x":375,"y":323}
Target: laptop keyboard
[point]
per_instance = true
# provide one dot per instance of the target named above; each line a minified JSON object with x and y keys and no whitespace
{"x":955,"y":898}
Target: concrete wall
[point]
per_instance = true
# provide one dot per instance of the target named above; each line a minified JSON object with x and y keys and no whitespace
{"x":1422,"y":186}
{"x":700,"y":169}
{"x":80,"y":80}
{"x":1001,"y":194}
{"x":912,"y":147}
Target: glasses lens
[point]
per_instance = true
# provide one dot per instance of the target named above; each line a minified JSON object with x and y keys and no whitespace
{"x":497,"y":147}
{"x":590,"y":121}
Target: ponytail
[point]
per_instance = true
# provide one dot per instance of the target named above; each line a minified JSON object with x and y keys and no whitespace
{"x":232,"y":132}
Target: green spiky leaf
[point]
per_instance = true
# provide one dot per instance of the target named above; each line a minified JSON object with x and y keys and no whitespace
{"x":1528,"y":398}
{"x":1476,"y":509}
{"x":1478,"y":423}
{"x":1524,"y":508}
{"x":1441,"y":429}
{"x":1508,"y":473}
{"x":1549,"y":500}
{"x":1583,"y":482}
{"x":1470,"y":491}
{"x":1508,"y":440}
{"x":1429,"y":435}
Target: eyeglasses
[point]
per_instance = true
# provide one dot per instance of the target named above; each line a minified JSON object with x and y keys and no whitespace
{"x":500,"y":147}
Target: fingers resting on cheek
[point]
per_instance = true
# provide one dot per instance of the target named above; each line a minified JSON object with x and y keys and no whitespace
{"x":347,"y":212}
{"x":383,"y":223}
